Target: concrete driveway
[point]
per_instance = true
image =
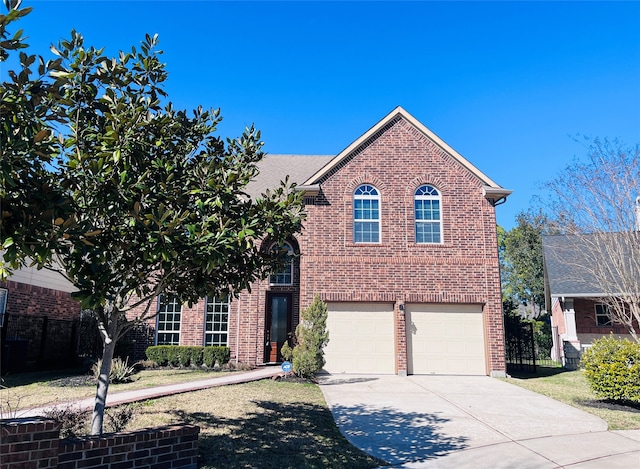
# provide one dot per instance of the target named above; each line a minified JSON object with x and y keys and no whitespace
{"x":469,"y":421}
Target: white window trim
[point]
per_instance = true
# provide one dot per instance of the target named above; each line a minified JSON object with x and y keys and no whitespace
{"x":416,"y":221}
{"x":215,"y":301}
{"x":353,"y":214}
{"x":607,"y":314}
{"x":179,"y":331}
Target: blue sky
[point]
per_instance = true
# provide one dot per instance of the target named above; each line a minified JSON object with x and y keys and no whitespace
{"x":507,"y":84}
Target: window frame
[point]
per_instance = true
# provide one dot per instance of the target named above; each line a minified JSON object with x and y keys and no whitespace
{"x":287,"y":270}
{"x":215,"y":302}
{"x":4,"y":294}
{"x":161,"y":304}
{"x":604,"y":313}
{"x":374,"y":197}
{"x":422,"y":222}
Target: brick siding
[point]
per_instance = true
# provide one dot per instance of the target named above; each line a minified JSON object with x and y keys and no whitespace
{"x":31,"y":300}
{"x":464,"y":269}
{"x":34,"y":443}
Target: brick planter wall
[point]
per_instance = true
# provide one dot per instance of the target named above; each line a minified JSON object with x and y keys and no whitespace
{"x":29,"y":442}
{"x":35,"y":443}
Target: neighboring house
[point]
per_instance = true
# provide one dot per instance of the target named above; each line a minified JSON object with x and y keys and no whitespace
{"x":399,"y":241}
{"x":574,"y":297}
{"x":36,"y":319}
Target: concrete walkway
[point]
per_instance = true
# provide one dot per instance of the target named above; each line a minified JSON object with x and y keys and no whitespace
{"x":159,"y":391}
{"x":471,"y":422}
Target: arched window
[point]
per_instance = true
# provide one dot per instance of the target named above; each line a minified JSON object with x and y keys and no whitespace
{"x":285,"y":276}
{"x":366,"y":214}
{"x":428,"y":214}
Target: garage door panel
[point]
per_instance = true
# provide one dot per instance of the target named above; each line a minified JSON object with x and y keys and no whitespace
{"x":445,"y":339}
{"x":361,"y":338}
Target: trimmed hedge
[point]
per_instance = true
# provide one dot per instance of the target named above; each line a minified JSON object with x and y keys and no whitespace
{"x":612,"y":367}
{"x":185,"y":356}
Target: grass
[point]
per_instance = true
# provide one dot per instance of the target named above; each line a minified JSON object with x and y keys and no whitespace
{"x":572,"y":388}
{"x":38,"y":389}
{"x":259,"y":424}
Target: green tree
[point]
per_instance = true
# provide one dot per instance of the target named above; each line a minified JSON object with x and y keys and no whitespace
{"x":124,"y":195}
{"x":596,"y":202}
{"x":521,"y":261}
{"x":312,"y":337}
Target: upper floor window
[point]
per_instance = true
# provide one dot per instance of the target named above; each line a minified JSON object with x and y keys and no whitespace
{"x":285,"y":276}
{"x":216,"y":321}
{"x":168,"y":321}
{"x":366,"y":214}
{"x":603,"y":315}
{"x":428,"y":216}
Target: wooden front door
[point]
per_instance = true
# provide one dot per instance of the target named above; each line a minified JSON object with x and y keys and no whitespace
{"x":277,"y":325}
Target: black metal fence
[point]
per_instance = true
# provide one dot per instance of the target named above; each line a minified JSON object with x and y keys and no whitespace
{"x":526,"y":349}
{"x":35,"y":342}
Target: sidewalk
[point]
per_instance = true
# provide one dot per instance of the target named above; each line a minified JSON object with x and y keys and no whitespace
{"x":159,"y":391}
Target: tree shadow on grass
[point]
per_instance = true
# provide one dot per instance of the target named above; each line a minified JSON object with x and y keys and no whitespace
{"x":295,"y":435}
{"x":303,"y":435}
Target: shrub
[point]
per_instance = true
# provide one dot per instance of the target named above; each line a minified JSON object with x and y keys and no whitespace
{"x":184,"y":356}
{"x":287,"y":352}
{"x":612,"y":367}
{"x":312,"y":335}
{"x":173,"y":355}
{"x":223,"y":355}
{"x":196,"y":356}
{"x":75,"y":423}
{"x":119,"y":417}
{"x":158,"y":354}
{"x":121,"y":371}
{"x":216,"y":354}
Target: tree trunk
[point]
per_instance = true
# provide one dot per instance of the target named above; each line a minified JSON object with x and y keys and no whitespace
{"x":109,"y":338}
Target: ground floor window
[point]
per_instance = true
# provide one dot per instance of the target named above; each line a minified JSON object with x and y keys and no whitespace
{"x":168,"y":321}
{"x":603,"y":315}
{"x":3,"y":303}
{"x":216,"y":321}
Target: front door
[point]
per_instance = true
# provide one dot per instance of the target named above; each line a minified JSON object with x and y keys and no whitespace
{"x":277,"y":325}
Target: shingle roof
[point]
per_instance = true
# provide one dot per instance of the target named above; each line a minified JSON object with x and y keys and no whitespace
{"x":591,"y":265}
{"x":563,"y":257}
{"x":275,"y":168}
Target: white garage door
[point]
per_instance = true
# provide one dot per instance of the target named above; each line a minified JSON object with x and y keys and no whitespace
{"x":361,"y":338}
{"x":445,"y":339}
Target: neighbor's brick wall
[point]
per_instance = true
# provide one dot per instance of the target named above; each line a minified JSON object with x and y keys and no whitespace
{"x":25,"y":299}
{"x":586,"y":319}
{"x":34,"y":443}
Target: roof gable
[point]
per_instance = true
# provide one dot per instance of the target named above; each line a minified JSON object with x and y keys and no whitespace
{"x":490,"y":186}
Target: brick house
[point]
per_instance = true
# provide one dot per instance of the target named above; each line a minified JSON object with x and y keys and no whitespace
{"x":575,"y":298}
{"x":37,"y":317}
{"x":400,"y":241}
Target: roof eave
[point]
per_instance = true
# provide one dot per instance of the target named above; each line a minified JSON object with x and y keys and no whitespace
{"x":308,"y":190}
{"x":496,"y":195}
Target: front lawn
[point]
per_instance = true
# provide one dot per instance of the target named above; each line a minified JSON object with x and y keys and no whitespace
{"x":266,"y":424}
{"x":572,"y":388}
